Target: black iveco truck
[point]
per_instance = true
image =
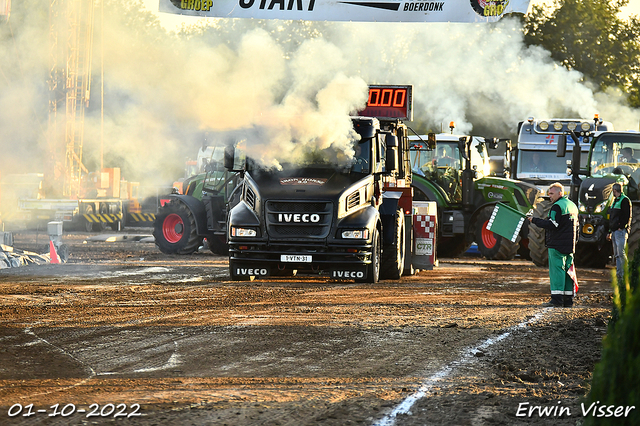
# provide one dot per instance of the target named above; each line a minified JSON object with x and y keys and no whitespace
{"x":351,"y":222}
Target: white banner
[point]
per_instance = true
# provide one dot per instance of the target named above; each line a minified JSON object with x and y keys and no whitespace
{"x":350,"y":10}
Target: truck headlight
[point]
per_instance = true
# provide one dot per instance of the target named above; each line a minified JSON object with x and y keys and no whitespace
{"x":243,"y":232}
{"x":356,"y":234}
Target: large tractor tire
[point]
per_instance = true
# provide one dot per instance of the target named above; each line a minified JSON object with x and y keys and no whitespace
{"x":392,"y":264}
{"x":592,"y":256}
{"x":491,"y":245}
{"x":537,"y":247}
{"x":175,"y":229}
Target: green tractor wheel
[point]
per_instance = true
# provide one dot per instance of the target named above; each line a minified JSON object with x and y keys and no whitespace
{"x":491,"y":245}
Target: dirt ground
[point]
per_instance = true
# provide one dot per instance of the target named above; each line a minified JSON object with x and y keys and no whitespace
{"x":123,"y":324}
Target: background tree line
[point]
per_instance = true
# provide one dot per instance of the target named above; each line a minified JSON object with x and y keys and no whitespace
{"x":590,"y":37}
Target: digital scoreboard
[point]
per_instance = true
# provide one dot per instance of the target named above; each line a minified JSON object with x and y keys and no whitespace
{"x":389,"y":101}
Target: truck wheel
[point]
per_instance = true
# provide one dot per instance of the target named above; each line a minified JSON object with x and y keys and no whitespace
{"x":100,"y":226}
{"x":217,"y":245}
{"x":537,"y":248}
{"x":491,"y":245}
{"x":175,"y":229}
{"x":392,"y":264}
{"x":373,"y":270}
{"x":590,"y":256}
{"x":85,"y":224}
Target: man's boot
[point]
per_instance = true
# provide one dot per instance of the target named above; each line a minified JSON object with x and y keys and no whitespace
{"x":556,"y":301}
{"x":567,"y":301}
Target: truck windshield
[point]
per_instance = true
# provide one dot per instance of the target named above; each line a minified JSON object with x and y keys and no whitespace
{"x":616,"y":153}
{"x":544,"y":164}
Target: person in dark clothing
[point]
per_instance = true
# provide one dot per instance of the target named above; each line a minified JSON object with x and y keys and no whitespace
{"x":561,"y":236}
{"x":619,"y":223}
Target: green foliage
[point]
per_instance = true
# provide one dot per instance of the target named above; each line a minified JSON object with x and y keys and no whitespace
{"x":588,"y":36}
{"x":616,"y":378}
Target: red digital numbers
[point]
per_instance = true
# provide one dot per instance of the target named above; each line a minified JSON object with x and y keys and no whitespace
{"x":395,"y":98}
{"x":389,"y":102}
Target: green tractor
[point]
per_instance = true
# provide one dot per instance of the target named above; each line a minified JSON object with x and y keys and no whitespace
{"x":611,"y":160}
{"x":186,"y":220}
{"x":454,"y":172}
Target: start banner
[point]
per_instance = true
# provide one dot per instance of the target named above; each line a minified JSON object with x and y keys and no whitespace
{"x":362,"y":11}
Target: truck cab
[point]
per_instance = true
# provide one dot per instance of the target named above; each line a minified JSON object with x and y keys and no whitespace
{"x":316,"y":217}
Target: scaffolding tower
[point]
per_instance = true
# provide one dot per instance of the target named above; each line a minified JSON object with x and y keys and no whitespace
{"x":71,"y":46}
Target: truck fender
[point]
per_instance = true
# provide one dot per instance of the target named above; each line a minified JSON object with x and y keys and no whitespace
{"x":368,"y":218}
{"x":431,"y":192}
{"x":196,"y":207}
{"x":242,"y":215}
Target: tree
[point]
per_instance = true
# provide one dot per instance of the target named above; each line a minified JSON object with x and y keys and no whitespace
{"x":588,"y":36}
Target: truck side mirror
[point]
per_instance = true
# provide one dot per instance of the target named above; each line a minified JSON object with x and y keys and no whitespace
{"x":391,"y":162}
{"x":431,"y":141}
{"x":233,"y":159}
{"x":561,"y":149}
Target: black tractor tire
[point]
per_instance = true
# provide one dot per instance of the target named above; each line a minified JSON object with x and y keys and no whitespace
{"x":217,"y":245}
{"x":175,"y":229}
{"x":491,"y":245}
{"x":392,"y":263}
{"x":592,"y":256}
{"x":537,"y":247}
{"x":634,"y":232}
{"x":452,"y":246}
{"x":373,"y":269}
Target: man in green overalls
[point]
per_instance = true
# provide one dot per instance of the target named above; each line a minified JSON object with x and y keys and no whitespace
{"x":561,"y":236}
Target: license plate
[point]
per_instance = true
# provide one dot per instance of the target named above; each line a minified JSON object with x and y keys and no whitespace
{"x":295,"y":258}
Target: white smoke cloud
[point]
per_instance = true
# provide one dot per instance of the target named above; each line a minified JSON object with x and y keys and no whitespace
{"x":293,"y":85}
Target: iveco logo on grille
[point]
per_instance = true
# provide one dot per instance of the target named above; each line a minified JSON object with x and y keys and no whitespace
{"x":299,"y":218}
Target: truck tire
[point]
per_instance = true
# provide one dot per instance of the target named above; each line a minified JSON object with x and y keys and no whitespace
{"x":591,"y":256}
{"x":491,"y":245}
{"x":373,"y":269}
{"x":175,"y":229}
{"x":537,"y":247}
{"x":392,"y":263}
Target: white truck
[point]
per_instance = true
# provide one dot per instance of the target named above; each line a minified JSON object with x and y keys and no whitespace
{"x":534,"y":160}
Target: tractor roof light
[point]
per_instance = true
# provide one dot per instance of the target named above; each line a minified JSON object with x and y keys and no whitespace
{"x":557,"y":126}
{"x":543,"y":125}
{"x":572,"y":125}
{"x":585,"y":126}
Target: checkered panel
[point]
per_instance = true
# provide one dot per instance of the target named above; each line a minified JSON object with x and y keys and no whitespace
{"x":426,"y":225}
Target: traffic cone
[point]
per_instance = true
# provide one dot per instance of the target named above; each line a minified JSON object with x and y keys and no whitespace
{"x":53,"y":254}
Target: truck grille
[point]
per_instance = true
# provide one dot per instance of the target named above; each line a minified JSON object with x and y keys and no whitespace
{"x":299,"y":219}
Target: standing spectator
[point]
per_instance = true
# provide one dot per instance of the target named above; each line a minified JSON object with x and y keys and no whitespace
{"x":561,"y":235}
{"x":619,"y":222}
